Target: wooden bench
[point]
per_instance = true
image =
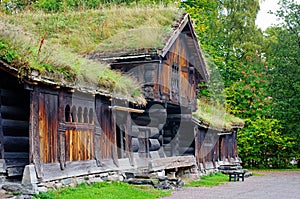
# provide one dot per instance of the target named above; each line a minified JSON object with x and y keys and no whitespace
{"x":236,"y":175}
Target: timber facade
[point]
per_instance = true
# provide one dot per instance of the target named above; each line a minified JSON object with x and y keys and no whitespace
{"x":63,"y":131}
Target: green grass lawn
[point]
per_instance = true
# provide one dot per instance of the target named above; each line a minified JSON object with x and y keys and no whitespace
{"x":262,"y":172}
{"x":117,"y":190}
{"x":209,"y":181}
{"x":120,"y":190}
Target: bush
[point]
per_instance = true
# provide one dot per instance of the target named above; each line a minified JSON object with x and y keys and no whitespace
{"x":261,"y":145}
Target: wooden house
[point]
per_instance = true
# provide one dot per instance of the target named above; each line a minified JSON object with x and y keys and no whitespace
{"x":215,"y":136}
{"x":64,"y":127}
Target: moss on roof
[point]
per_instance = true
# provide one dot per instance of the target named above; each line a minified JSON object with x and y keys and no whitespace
{"x":214,"y":116}
{"x":54,"y":44}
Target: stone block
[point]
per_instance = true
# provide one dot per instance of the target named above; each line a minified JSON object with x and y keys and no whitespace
{"x":58,"y":185}
{"x":42,"y":189}
{"x":113,"y":178}
{"x":95,"y":180}
{"x":29,"y":175}
{"x":2,"y":166}
{"x":66,"y":181}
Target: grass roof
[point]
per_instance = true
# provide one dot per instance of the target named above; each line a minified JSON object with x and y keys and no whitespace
{"x":215,"y":116}
{"x":54,"y":44}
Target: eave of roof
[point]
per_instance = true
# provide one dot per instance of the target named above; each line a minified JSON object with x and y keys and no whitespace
{"x":33,"y":77}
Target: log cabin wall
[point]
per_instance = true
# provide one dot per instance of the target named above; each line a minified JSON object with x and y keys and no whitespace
{"x":207,"y":146}
{"x":14,"y":124}
{"x":228,"y":146}
{"x":178,"y":78}
{"x":169,"y":79}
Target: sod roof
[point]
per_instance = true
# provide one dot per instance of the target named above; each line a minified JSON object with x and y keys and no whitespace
{"x":51,"y":47}
{"x":215,"y":117}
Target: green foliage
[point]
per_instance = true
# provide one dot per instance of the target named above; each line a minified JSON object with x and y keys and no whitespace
{"x":6,"y":53}
{"x":13,"y":6}
{"x":263,"y":146}
{"x":254,"y":92}
{"x":282,"y":47}
{"x":117,"y":190}
{"x":209,"y":181}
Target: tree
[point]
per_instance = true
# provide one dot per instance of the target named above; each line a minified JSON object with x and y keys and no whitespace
{"x":282,"y":47}
{"x":227,"y":32}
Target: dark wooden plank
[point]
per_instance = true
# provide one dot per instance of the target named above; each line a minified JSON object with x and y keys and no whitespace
{"x":154,"y":145}
{"x":172,"y":162}
{"x":15,"y":171}
{"x":16,"y":158}
{"x":12,"y":97}
{"x":14,"y":126}
{"x":1,"y":132}
{"x":15,"y":155}
{"x":17,"y":113}
{"x":52,"y":171}
{"x":16,"y":144}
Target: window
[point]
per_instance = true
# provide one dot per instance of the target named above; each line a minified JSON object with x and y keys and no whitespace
{"x":67,"y":113}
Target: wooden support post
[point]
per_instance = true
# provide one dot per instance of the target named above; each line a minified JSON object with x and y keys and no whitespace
{"x":113,"y":143}
{"x":62,"y":145}
{"x":34,"y":143}
{"x":97,"y":148}
{"x":144,"y":144}
{"x":1,"y":133}
{"x":197,"y":144}
{"x":128,"y":138}
{"x":61,"y":132}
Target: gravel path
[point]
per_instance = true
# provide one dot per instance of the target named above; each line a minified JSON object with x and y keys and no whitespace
{"x":273,"y":185}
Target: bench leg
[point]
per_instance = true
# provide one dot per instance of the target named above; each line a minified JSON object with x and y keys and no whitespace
{"x":234,"y":176}
{"x":242,"y":176}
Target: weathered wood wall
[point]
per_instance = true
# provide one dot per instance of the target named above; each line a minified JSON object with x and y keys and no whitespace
{"x":207,"y":145}
{"x":171,"y":79}
{"x":228,"y":146}
{"x":14,"y":123}
{"x":177,"y":77}
{"x":107,"y":141}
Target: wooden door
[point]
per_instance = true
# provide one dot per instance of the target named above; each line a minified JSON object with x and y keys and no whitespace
{"x":48,"y":127}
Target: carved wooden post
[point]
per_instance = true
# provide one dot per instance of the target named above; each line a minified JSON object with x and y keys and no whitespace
{"x":61,"y":131}
{"x":34,"y":148}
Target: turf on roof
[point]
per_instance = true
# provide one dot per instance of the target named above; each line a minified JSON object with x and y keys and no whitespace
{"x":107,"y":29}
{"x":53,"y":44}
{"x":215,"y":116}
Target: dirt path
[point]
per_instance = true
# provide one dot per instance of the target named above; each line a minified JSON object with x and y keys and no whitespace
{"x":273,"y":185}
